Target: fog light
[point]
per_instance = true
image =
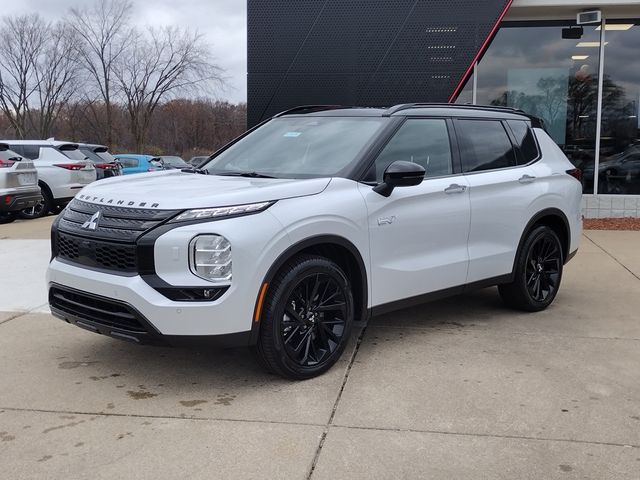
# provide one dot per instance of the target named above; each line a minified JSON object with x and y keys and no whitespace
{"x":211,"y":258}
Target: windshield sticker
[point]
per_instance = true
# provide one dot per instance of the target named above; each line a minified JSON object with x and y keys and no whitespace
{"x":293,"y":134}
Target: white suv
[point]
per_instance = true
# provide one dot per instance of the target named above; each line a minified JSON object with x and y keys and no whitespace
{"x":63,"y":171}
{"x":18,"y":184}
{"x":315,"y":220}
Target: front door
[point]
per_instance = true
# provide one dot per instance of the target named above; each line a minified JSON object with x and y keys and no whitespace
{"x":418,"y":235}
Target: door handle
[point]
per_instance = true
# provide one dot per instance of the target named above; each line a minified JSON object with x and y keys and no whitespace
{"x":526,"y":178}
{"x":455,"y":188}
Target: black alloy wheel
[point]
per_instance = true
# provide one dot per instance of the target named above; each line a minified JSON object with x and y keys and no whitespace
{"x":314,"y":319}
{"x":543,"y":268}
{"x":307,"y":318}
{"x":538,"y":272}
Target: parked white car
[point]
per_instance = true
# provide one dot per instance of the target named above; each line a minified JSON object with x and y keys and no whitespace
{"x":63,"y":171}
{"x":18,"y":184}
{"x":315,"y":220}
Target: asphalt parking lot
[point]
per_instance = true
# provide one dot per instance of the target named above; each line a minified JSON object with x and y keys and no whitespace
{"x":461,"y":388}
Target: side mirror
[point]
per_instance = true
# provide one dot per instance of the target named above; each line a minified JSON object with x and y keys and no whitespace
{"x":400,"y":174}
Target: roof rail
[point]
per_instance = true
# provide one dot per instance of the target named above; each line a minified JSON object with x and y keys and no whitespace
{"x":308,"y":109}
{"x":407,"y":106}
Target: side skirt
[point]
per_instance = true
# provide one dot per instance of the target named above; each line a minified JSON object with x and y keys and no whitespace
{"x":439,"y":294}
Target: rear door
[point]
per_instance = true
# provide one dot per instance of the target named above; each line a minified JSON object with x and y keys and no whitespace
{"x":418,"y":235}
{"x":502,"y":187}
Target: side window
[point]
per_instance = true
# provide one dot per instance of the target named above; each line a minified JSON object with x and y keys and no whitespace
{"x":421,"y":140}
{"x":484,"y":145}
{"x":525,"y":141}
{"x":27,"y":151}
{"x":128,"y":162}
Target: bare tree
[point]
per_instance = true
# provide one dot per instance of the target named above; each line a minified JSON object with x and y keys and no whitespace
{"x":22,"y":40}
{"x":56,"y":73}
{"x":102,"y":28}
{"x":157,"y":65}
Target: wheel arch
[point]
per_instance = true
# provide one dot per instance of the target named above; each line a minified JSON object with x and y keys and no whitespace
{"x":555,"y":219}
{"x":336,"y":248}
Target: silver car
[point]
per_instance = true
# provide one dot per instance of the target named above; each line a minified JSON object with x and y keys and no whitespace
{"x":18,"y":184}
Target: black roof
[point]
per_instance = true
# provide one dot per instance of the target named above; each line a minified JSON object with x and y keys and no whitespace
{"x":416,"y":109}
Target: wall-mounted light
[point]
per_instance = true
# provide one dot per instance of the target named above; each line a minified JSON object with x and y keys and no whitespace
{"x":616,"y":26}
{"x":589,"y":44}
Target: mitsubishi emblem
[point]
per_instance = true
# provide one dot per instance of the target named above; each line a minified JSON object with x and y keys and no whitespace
{"x":92,"y":223}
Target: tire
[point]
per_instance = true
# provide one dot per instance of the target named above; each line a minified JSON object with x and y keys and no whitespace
{"x":298,"y":342}
{"x":538,"y":272}
{"x":41,"y":209}
{"x":7,"y":217}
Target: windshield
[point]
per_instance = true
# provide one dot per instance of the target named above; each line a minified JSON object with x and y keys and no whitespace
{"x":299,"y":147}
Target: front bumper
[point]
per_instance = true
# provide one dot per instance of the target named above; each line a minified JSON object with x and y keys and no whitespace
{"x":122,"y":321}
{"x":18,"y":199}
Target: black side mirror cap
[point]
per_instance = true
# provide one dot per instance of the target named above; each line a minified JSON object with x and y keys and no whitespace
{"x":400,"y":174}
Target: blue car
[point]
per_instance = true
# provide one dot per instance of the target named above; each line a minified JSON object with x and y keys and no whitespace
{"x":135,"y":163}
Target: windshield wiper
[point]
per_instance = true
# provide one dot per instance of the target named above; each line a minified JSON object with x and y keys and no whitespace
{"x":195,"y":170}
{"x":244,"y":174}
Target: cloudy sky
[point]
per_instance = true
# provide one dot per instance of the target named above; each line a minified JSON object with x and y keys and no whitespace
{"x":222,"y":22}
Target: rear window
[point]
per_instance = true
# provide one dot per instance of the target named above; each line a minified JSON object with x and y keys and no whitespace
{"x":174,"y":161}
{"x":72,"y":153}
{"x":525,"y":141}
{"x":485,"y":145}
{"x":10,"y":155}
{"x":106,"y":156}
{"x":90,"y":153}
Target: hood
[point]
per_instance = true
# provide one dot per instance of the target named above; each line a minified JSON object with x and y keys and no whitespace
{"x":175,"y":190}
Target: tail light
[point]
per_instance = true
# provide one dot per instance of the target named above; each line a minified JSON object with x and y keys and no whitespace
{"x":107,"y":166}
{"x":575,"y":173}
{"x":6,"y":163}
{"x":71,"y":166}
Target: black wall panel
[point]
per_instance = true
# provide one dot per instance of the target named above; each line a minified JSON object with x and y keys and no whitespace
{"x":361,"y":52}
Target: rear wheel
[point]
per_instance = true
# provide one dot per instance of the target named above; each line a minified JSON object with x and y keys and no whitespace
{"x":538,"y":272}
{"x":41,"y":208}
{"x":7,"y":217}
{"x":307,"y":318}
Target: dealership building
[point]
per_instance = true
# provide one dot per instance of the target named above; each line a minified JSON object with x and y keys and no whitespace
{"x":575,"y":64}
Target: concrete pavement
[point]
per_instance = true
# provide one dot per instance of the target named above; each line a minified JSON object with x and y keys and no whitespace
{"x":461,"y":388}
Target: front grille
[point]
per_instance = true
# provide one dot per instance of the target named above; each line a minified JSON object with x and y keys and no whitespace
{"x":120,"y":224}
{"x":97,"y":254}
{"x":111,"y":244}
{"x":96,"y":310}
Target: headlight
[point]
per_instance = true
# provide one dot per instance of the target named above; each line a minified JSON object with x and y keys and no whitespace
{"x":210,"y":258}
{"x":217,"y":212}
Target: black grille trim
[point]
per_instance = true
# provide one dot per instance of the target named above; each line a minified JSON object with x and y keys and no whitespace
{"x":97,"y":310}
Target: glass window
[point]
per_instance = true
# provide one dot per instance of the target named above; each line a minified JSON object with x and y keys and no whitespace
{"x":422,"y":141}
{"x":619,"y":170}
{"x":27,"y":151}
{"x":72,"y":153}
{"x":531,"y":67}
{"x":299,"y":147}
{"x":10,"y":155}
{"x":128,"y":162}
{"x":484,"y":145}
{"x":525,"y":141}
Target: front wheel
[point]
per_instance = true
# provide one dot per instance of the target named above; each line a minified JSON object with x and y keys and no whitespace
{"x":307,"y":318}
{"x":538,"y":272}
